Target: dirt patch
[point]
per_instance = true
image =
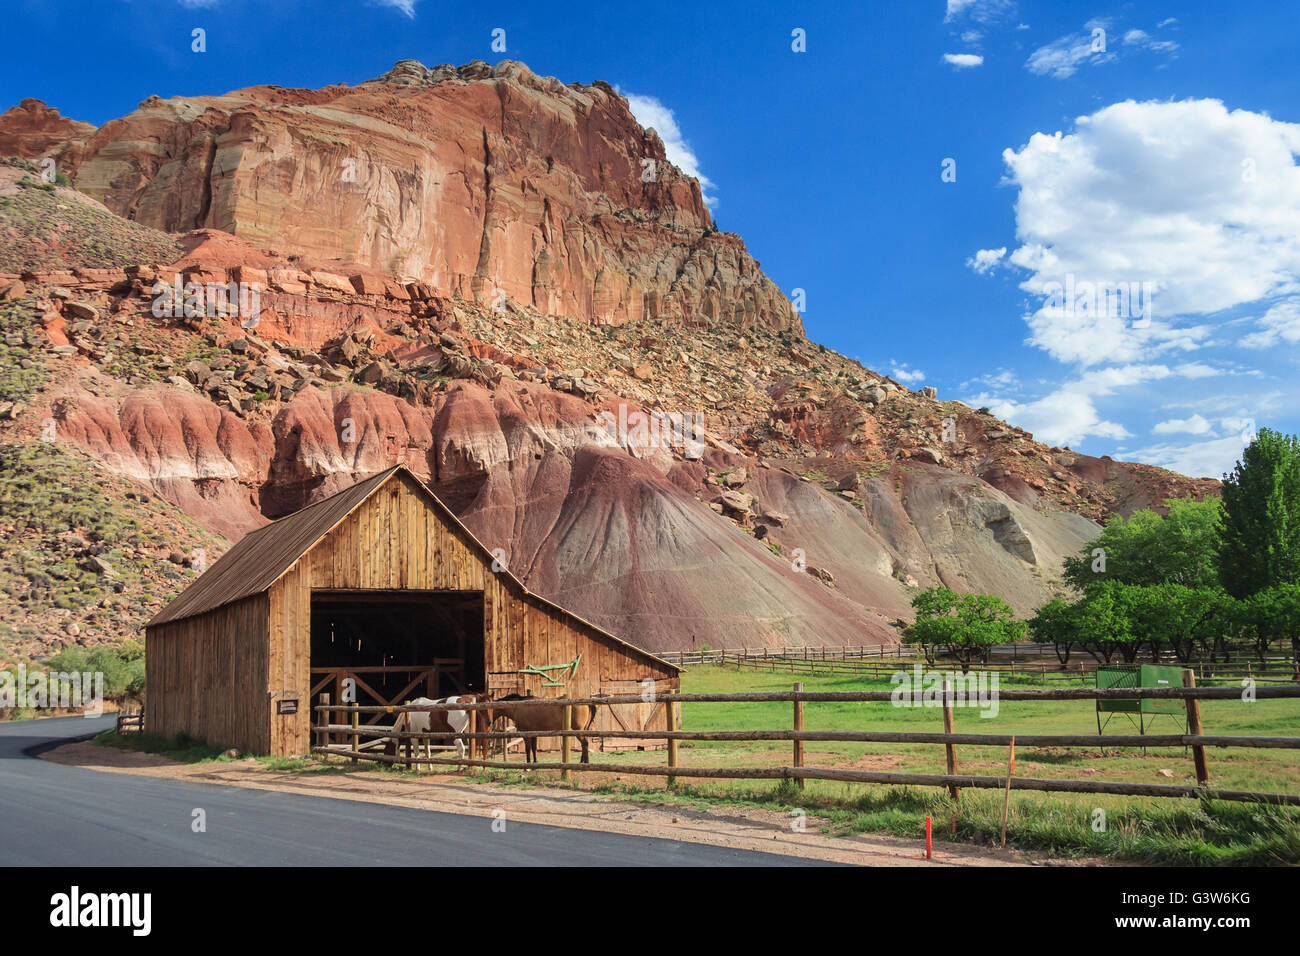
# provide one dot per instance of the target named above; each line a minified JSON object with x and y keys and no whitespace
{"x":94,"y":757}
{"x":881,"y":762}
{"x":742,"y":828}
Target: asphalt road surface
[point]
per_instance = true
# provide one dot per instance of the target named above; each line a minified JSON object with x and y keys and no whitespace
{"x":52,"y":814}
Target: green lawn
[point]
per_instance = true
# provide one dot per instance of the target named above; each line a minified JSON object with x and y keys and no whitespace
{"x":1230,"y":768}
{"x":1157,"y":830}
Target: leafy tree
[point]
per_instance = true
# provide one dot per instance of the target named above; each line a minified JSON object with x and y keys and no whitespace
{"x":1056,"y":623}
{"x":122,"y":667}
{"x":1272,"y":614}
{"x":1149,"y":548}
{"x":966,"y":625}
{"x":1103,"y":620}
{"x":1259,"y":534}
{"x":1186,"y":620}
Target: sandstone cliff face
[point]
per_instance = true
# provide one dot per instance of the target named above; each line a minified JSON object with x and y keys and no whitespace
{"x":481,"y":182}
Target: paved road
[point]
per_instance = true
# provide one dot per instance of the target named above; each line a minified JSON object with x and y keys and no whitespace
{"x":52,"y":814}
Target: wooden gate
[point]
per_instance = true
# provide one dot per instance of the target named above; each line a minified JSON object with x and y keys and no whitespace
{"x":643,"y":715}
{"x":424,"y":682}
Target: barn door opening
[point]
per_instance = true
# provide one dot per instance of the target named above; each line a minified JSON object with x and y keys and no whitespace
{"x":396,"y":645}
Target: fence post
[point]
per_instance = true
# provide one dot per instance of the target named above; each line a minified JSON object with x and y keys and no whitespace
{"x":566,"y":742}
{"x":1006,"y":800}
{"x":327,"y":715}
{"x":1194,"y":727}
{"x":798,"y":725}
{"x":670,"y":723}
{"x":948,"y":722}
{"x":356,"y":737}
{"x":407,"y":724}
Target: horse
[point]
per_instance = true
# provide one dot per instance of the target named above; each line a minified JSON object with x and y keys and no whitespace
{"x":434,"y":721}
{"x":542,"y":717}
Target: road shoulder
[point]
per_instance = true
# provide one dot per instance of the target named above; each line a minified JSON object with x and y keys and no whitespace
{"x":740,"y":828}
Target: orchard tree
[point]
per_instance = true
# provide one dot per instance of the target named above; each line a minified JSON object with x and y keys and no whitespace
{"x":1259,"y":534}
{"x":1186,"y":620}
{"x":1270,"y":615}
{"x":1104,"y":622}
{"x":1056,"y":623}
{"x":966,"y":625}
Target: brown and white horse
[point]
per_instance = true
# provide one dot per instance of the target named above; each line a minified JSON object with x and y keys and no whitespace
{"x":436,"y":721}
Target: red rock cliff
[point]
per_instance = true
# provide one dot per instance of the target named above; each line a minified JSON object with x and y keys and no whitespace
{"x":482,"y":182}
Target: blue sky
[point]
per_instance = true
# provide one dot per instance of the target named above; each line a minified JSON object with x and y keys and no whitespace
{"x":1148,"y":146}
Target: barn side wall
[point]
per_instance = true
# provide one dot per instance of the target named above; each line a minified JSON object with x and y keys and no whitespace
{"x":397,"y":540}
{"x":206,"y":676}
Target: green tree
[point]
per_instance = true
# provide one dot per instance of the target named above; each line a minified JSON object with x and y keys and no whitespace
{"x":1056,"y":623}
{"x":1270,"y":615}
{"x":1104,"y":622}
{"x":966,"y":625}
{"x":1148,"y":548}
{"x":1259,"y":534}
{"x":1186,"y":620}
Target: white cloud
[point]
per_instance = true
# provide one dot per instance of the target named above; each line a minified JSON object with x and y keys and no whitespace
{"x":649,"y":112}
{"x":1144,"y":41}
{"x":1003,"y":380}
{"x":1196,"y":370}
{"x":971,"y":36}
{"x":963,"y":61}
{"x":1064,"y":56}
{"x":1212,"y":458}
{"x":1069,"y":415}
{"x":1200,"y":203}
{"x":1196,"y":425}
{"x":406,"y":7}
{"x":1168,"y":22}
{"x":986,"y":260}
{"x":901,"y":373}
{"x":1279,"y":323}
{"x":981,"y":11}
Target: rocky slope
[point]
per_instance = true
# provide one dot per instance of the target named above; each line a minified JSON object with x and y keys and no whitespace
{"x":808,"y":503}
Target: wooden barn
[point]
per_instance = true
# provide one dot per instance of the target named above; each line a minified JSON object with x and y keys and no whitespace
{"x":383,"y":584}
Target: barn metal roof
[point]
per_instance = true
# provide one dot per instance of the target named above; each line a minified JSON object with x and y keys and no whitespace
{"x":263,"y":556}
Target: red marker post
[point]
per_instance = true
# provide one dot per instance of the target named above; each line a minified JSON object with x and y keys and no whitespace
{"x":928,"y":844}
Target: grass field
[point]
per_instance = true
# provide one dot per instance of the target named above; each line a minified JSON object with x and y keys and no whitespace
{"x":1163,"y":830}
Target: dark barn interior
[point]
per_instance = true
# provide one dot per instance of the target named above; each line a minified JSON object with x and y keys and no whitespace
{"x":399,"y":644}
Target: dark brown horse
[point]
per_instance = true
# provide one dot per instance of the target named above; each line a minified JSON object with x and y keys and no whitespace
{"x":541,"y":717}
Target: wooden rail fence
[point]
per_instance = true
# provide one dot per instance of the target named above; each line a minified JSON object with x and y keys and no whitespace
{"x":1279,"y":672}
{"x":1191,"y":694}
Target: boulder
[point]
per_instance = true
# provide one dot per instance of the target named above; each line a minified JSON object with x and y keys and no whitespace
{"x":735,"y":504}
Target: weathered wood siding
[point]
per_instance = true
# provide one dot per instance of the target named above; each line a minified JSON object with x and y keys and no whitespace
{"x":206,"y":676}
{"x":396,"y":540}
